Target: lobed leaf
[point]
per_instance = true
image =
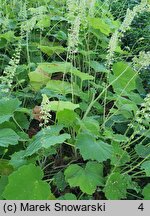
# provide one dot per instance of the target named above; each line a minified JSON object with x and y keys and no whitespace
{"x":26,"y":184}
{"x":45,"y":139}
{"x":8,"y":137}
{"x":99,"y":24}
{"x":51,"y":50}
{"x":7,"y":108}
{"x":62,"y":105}
{"x":116,"y":186}
{"x":92,"y":149}
{"x":87,"y":178}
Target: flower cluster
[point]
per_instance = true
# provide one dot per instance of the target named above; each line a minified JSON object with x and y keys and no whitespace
{"x":37,"y":14}
{"x":91,"y":6}
{"x":112,"y":47}
{"x":131,"y":14}
{"x":128,"y":20}
{"x":142,"y":61}
{"x":123,"y":28}
{"x":28,"y":25}
{"x":142,"y":116}
{"x":45,"y":111}
{"x":10,"y":70}
{"x":74,"y":18}
{"x":78,"y":10}
{"x":73,"y":8}
{"x":73,"y":36}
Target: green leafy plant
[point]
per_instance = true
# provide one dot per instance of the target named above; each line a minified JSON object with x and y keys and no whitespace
{"x":74,"y":100}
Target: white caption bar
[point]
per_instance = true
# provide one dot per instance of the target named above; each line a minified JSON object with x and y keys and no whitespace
{"x":72,"y":208}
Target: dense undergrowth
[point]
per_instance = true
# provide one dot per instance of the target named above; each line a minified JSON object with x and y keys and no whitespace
{"x":74,"y":99}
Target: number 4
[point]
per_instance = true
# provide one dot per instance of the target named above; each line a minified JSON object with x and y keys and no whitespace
{"x":141,"y":207}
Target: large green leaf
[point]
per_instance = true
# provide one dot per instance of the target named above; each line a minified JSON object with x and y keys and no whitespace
{"x":44,"y":22}
{"x":8,"y":137}
{"x":126,"y":107}
{"x":64,"y":88}
{"x":18,"y":160}
{"x":51,"y":50}
{"x":93,"y":149}
{"x":54,"y":67}
{"x":146,"y":192}
{"x":26,"y":184}
{"x":146,"y":167}
{"x":81,"y":75}
{"x":66,"y":117}
{"x":38,"y":79}
{"x":45,"y":139}
{"x":99,"y":24}
{"x":125,"y":78}
{"x":90,"y":125}
{"x":98,"y":67}
{"x":87,"y":178}
{"x":64,"y":67}
{"x":7,"y":108}
{"x":61,"y":105}
{"x":116,"y":186}
{"x":9,"y":36}
{"x":22,"y":119}
{"x":60,"y":87}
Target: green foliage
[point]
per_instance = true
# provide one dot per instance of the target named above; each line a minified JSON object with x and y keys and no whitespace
{"x":5,"y":167}
{"x":38,"y":79}
{"x":90,"y":125}
{"x":45,"y":139}
{"x":62,"y":105}
{"x":99,"y":24}
{"x":26,"y":183}
{"x":54,"y":67}
{"x":146,"y":192}
{"x":68,"y":196}
{"x":116,"y":186}
{"x":8,"y":137}
{"x":81,"y":75}
{"x":142,"y":151}
{"x":74,"y":100}
{"x":59,"y":87}
{"x":3,"y":183}
{"x":87,"y":178}
{"x":66,"y":117}
{"x":60,"y":181}
{"x":93,"y":149}
{"x":119,"y":156}
{"x":7,"y":108}
{"x":17,"y":159}
{"x":123,"y":78}
{"x":146,"y":167}
{"x":51,"y":50}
